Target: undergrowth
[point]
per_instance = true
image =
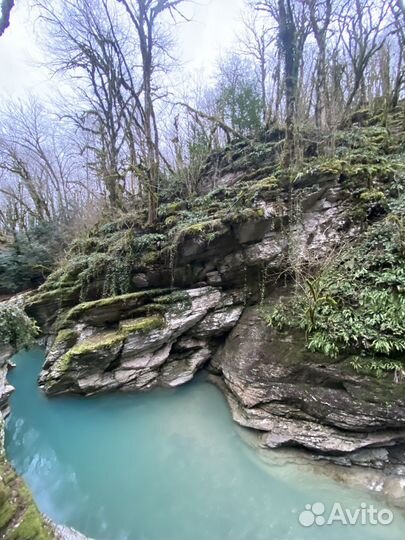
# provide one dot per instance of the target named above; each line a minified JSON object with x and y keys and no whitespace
{"x":366,"y":164}
{"x":355,"y":303}
{"x":16,"y":328}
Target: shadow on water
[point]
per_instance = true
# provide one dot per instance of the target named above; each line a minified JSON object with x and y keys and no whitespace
{"x":165,"y":465}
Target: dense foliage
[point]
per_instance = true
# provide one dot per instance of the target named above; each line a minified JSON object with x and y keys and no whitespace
{"x":30,"y":257}
{"x":355,"y":304}
{"x":16,"y":328}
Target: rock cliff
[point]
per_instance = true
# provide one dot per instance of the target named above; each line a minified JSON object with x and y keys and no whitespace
{"x":163,"y":336}
{"x":301,"y":399}
{"x":133,"y":308}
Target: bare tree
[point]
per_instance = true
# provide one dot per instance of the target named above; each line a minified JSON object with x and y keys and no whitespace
{"x":292,"y":32}
{"x":398,"y":12}
{"x":89,"y":42}
{"x":116,"y":50}
{"x":146,"y":16}
{"x":37,"y":173}
{"x":363,"y":30}
{"x":256,"y":43}
{"x":401,"y":9}
{"x":320,"y":15}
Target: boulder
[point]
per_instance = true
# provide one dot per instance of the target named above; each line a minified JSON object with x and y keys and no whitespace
{"x":299,"y":399}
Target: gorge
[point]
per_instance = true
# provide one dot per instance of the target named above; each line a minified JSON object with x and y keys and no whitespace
{"x":132,"y":310}
{"x":164,"y":465}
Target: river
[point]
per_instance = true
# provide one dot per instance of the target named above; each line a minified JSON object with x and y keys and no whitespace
{"x":166,"y":465}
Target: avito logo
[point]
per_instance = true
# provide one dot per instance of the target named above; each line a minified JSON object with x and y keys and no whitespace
{"x":316,"y":515}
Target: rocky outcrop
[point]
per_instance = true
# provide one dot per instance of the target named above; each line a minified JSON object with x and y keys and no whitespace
{"x":301,"y":399}
{"x":234,"y":252}
{"x":190,"y":279}
{"x":162,"y":337}
{"x":139,"y":341}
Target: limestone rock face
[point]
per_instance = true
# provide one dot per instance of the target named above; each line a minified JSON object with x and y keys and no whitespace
{"x":231,"y":258}
{"x":160,"y":336}
{"x":299,"y":399}
{"x":174,"y":338}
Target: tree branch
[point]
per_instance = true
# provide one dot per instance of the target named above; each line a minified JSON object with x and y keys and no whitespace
{"x":6,"y":7}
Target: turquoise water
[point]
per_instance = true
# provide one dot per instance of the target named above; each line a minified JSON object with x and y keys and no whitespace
{"x":168,"y":465}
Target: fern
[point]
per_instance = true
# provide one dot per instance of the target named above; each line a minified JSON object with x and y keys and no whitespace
{"x":356,"y":304}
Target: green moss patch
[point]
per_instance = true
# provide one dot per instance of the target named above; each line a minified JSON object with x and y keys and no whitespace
{"x":116,"y":302}
{"x":66,"y":337}
{"x":366,"y":163}
{"x":19,"y":517}
{"x":142,"y":325}
{"x":107,"y":341}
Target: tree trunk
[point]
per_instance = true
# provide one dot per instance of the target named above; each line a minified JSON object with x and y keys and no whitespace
{"x":5,"y":10}
{"x":287,"y":36}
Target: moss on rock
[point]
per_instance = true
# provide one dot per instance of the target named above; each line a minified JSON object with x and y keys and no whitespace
{"x":106,"y":342}
{"x":142,"y":325}
{"x":365,"y":158}
{"x":99,"y":342}
{"x":66,"y":338}
{"x":118,"y":302}
{"x":19,"y":517}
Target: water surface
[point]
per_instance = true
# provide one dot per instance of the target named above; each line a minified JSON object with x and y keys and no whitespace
{"x":166,"y":465}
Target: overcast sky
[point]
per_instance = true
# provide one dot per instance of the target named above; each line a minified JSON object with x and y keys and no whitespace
{"x":213,"y":29}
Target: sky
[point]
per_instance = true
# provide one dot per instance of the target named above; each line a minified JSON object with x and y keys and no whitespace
{"x":214,"y":27}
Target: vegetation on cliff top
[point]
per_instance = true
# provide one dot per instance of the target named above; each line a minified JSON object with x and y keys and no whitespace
{"x":136,"y":194}
{"x":367,"y":165}
{"x":16,"y":328}
{"x":121,"y":145}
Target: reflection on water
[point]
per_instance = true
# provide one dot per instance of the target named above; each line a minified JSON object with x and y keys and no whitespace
{"x":168,"y":465}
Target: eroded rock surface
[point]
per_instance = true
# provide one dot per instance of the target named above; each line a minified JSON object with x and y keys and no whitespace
{"x":232,"y":257}
{"x":301,"y":399}
{"x":102,"y":345}
{"x":162,"y":342}
{"x":160,"y":336}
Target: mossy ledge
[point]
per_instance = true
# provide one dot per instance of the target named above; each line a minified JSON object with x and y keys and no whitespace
{"x":120,"y":305}
{"x":19,"y":517}
{"x":105,"y":341}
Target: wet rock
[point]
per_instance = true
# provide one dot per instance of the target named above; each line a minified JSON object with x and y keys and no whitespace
{"x":376,"y":458}
{"x":180,"y":371}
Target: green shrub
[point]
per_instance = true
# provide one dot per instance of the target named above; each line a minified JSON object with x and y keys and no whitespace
{"x":16,"y":328}
{"x":356,"y":304}
{"x":30,"y":258}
